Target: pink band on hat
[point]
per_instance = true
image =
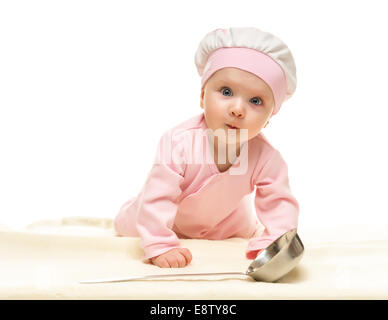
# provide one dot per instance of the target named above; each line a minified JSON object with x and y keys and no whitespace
{"x":253,"y":61}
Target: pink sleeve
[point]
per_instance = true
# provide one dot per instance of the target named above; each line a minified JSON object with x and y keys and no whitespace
{"x":158,"y":204}
{"x":276,"y":207}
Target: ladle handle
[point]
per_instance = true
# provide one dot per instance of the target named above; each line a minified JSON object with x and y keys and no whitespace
{"x":162,"y":276}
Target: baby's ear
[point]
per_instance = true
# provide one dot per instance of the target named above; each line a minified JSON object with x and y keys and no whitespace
{"x":201,"y":97}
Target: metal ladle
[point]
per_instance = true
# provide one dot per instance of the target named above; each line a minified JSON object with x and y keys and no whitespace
{"x":275,"y":261}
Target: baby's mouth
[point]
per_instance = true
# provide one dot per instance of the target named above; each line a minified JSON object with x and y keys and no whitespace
{"x":231,"y":127}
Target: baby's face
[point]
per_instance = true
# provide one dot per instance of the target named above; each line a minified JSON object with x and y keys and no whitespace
{"x":239,"y":98}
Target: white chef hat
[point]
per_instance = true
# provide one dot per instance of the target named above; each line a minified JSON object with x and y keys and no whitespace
{"x":252,"y":50}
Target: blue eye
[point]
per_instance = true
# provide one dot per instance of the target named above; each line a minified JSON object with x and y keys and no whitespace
{"x":225,"y":89}
{"x":227,"y":92}
{"x":258,"y":101}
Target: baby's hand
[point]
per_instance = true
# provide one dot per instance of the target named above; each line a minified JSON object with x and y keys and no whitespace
{"x":253,"y":254}
{"x":174,"y":258}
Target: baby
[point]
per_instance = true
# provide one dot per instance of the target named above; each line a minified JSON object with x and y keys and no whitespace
{"x":193,"y":189}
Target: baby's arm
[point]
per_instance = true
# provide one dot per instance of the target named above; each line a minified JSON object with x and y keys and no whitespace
{"x":158,"y":202}
{"x":276,"y":207}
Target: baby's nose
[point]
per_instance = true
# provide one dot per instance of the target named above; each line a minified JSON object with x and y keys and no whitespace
{"x":237,"y":114}
{"x":237,"y":111}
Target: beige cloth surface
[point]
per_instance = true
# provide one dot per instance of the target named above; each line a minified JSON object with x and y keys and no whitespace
{"x":47,"y":259}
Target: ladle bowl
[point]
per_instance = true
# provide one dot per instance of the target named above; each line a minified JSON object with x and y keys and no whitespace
{"x":278,"y":259}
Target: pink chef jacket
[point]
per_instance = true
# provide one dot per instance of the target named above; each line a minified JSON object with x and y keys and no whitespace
{"x":182,"y":198}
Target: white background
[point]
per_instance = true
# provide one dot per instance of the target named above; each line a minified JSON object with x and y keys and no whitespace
{"x":88,"y":87}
